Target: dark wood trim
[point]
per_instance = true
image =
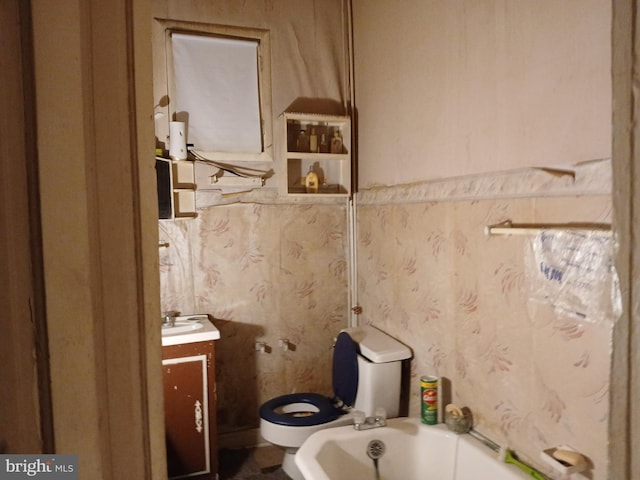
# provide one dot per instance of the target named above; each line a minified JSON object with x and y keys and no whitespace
{"x":38,"y":307}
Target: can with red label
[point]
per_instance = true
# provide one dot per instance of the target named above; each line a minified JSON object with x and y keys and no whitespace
{"x":429,"y":399}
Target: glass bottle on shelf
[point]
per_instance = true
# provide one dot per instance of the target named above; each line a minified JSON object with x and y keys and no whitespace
{"x":303,"y":141}
{"x":336,"y":142}
{"x":311,"y":181}
{"x":324,"y":145}
{"x":313,"y":141}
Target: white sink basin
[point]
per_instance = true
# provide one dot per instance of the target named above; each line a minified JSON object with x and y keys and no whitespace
{"x":190,"y":329}
{"x":182,"y":327}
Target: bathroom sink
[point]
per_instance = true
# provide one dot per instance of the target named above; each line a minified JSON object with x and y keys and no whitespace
{"x":182,"y":327}
{"x":189,"y":329}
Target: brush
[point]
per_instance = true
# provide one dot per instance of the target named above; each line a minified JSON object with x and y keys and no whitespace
{"x":509,"y":456}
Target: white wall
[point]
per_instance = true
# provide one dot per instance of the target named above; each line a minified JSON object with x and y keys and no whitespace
{"x":455,"y":87}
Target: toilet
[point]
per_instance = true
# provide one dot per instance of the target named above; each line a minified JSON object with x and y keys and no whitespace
{"x":366,"y":376}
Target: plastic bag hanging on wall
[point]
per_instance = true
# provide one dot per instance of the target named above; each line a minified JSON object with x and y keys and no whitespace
{"x":573,"y":272}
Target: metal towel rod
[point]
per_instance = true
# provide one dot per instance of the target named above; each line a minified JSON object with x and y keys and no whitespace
{"x":509,"y":228}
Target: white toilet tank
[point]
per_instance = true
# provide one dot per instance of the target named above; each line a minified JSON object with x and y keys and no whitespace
{"x":379,"y":370}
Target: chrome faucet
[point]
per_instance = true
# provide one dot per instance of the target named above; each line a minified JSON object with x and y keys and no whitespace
{"x":169,"y":318}
{"x":362,"y":422}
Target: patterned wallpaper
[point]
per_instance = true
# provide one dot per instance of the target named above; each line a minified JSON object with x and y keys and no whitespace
{"x":266,"y":273}
{"x":429,"y":276}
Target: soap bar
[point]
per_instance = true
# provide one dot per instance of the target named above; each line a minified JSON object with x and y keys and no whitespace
{"x":454,"y":410}
{"x":565,"y":460}
{"x":568,"y":457}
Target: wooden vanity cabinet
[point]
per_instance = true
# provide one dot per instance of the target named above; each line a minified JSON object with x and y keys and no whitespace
{"x":190,"y":410}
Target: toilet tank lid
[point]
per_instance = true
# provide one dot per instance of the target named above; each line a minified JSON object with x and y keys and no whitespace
{"x":377,"y":346}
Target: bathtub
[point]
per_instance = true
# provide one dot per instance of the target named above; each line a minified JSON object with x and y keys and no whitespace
{"x":412,"y":451}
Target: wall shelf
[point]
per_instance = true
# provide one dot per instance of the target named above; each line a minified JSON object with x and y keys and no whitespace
{"x":176,"y":189}
{"x":332,"y":167}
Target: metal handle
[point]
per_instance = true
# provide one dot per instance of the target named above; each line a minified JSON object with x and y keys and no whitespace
{"x":198,"y":416}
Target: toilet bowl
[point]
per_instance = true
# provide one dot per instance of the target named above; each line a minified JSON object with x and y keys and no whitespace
{"x":366,"y":375}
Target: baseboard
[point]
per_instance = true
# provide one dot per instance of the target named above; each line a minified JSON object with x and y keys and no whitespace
{"x":241,"y":439}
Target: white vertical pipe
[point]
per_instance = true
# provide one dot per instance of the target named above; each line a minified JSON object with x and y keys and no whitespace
{"x":351,"y":206}
{"x":353,"y":261}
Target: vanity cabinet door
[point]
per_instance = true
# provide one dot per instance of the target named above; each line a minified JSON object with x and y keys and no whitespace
{"x":189,"y":399}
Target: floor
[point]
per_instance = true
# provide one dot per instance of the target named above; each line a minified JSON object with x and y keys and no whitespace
{"x":251,"y":464}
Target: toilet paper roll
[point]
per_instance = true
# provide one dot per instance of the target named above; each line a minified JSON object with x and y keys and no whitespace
{"x":177,"y":141}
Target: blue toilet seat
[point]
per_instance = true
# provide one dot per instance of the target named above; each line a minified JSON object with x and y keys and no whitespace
{"x":345,"y":386}
{"x":327,"y":412}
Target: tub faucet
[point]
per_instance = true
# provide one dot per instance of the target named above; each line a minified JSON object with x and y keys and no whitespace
{"x":362,"y":422}
{"x":169,"y":318}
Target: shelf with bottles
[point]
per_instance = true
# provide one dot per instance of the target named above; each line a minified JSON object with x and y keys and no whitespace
{"x":318,"y":151}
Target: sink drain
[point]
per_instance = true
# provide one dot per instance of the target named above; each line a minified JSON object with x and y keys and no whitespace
{"x":375,"y":449}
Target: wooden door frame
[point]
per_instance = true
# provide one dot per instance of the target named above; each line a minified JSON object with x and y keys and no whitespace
{"x":25,"y":417}
{"x":624,"y":412}
{"x":95,"y":143}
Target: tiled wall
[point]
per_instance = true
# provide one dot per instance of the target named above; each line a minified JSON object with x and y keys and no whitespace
{"x":265,"y":272}
{"x":429,"y":275}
